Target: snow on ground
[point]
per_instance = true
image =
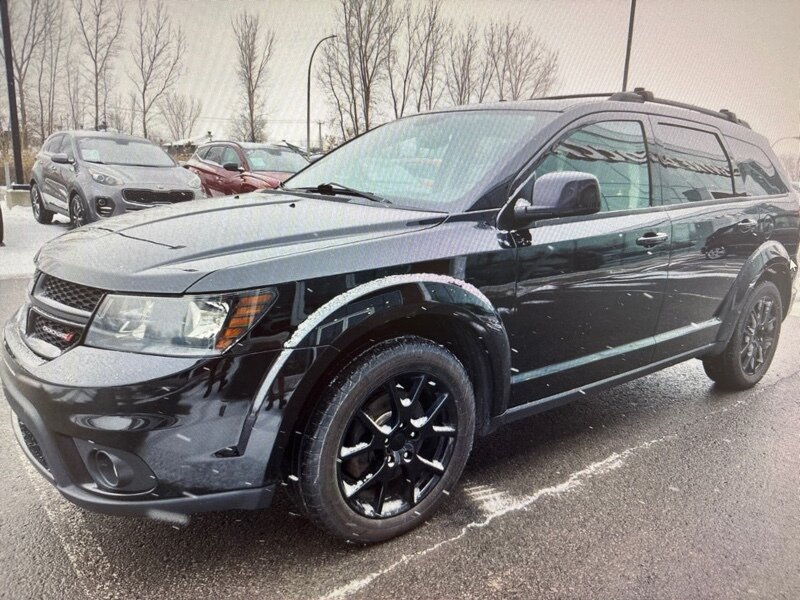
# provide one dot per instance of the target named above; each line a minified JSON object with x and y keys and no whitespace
{"x":23,"y":237}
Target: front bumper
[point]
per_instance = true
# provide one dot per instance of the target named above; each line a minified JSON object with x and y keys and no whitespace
{"x":174,"y":421}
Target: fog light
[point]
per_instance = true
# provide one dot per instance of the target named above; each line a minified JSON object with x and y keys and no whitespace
{"x":111,"y":471}
{"x":104,"y":206}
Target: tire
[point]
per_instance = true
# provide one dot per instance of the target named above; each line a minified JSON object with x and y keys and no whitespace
{"x":398,"y":467}
{"x":78,"y":213}
{"x":40,"y":213}
{"x":750,"y":351}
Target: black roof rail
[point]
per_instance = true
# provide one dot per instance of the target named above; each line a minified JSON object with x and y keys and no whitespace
{"x":642,"y":95}
{"x":575,"y":96}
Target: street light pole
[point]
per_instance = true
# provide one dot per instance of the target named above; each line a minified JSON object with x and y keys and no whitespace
{"x":628,"y":50}
{"x":308,"y":93}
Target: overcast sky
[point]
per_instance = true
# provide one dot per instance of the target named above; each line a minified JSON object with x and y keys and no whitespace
{"x":738,"y":54}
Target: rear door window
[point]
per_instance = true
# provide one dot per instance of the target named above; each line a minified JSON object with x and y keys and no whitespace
{"x":754,"y":173}
{"x":693,"y":165}
{"x":613,"y":151}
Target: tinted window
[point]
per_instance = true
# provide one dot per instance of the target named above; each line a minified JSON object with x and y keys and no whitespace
{"x":202,"y":152}
{"x":214,"y":154}
{"x":754,"y":173}
{"x":693,"y":165}
{"x":436,"y":161}
{"x":274,"y":159}
{"x":229,"y":155}
{"x":615,"y":153}
{"x":53,"y":143}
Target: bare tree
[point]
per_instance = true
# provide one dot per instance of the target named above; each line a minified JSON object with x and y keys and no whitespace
{"x":180,"y":113}
{"x":402,"y":59}
{"x":27,"y":35}
{"x":49,"y":65}
{"x":158,"y":50}
{"x":522,"y":65}
{"x":432,"y":36}
{"x":355,"y":65}
{"x":254,"y":53}
{"x":74,"y":81}
{"x":100,"y":27}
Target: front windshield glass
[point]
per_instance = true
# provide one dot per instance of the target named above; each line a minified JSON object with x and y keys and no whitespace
{"x":122,"y":151}
{"x":274,"y":159}
{"x":432,"y":161}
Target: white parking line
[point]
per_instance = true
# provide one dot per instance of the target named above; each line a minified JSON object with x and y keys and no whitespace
{"x":499,"y":505}
{"x":92,"y":568}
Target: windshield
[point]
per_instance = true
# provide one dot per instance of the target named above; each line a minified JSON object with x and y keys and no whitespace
{"x":432,"y":161}
{"x":274,"y":159}
{"x":122,"y":151}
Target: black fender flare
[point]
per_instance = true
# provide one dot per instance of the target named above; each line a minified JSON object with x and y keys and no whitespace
{"x":351,"y":315}
{"x":771,"y":258}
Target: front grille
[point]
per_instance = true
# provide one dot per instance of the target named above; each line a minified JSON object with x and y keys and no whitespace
{"x":157,"y":197}
{"x":33,"y":445}
{"x":69,"y":294}
{"x":55,"y":333}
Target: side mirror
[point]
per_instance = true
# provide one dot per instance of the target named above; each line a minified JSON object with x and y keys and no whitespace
{"x":565,"y":194}
{"x":61,"y":159}
{"x":232,"y":166}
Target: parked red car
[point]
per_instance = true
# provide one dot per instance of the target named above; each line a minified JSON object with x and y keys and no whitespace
{"x":227,"y":168}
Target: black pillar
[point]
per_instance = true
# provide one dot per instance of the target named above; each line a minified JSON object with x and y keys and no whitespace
{"x":12,"y":102}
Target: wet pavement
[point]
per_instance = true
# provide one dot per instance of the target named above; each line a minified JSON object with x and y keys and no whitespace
{"x":661,"y":488}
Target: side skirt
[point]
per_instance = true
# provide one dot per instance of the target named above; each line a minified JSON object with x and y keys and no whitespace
{"x":526,"y":410}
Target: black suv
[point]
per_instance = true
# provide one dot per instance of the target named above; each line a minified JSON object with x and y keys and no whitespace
{"x":347,"y":336}
{"x":91,"y":175}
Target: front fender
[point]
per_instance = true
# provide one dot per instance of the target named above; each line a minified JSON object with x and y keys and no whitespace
{"x":352,"y":316}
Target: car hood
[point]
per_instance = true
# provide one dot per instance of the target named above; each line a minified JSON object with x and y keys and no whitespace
{"x":170,"y":248}
{"x":147,"y":177}
{"x":279,"y":176}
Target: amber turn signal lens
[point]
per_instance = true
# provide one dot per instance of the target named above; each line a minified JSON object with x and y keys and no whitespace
{"x":244,"y":315}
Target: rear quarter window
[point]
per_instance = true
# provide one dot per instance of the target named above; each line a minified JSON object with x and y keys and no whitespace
{"x":693,"y":165}
{"x":754,"y":173}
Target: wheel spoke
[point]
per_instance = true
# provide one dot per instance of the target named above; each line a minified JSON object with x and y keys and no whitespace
{"x":433,"y":466}
{"x":368,"y":481}
{"x":380,"y":496}
{"x":348,"y":452}
{"x":368,"y":422}
{"x":400,"y":405}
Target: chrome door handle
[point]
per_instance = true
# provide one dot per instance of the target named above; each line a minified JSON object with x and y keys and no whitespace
{"x":652,"y":239}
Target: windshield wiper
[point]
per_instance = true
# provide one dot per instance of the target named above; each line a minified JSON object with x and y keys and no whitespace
{"x":334,"y":188}
{"x":95,"y":162}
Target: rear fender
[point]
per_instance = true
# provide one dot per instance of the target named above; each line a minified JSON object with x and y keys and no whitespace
{"x":770,"y":261}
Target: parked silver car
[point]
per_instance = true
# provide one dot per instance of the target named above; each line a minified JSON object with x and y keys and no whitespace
{"x":90,"y":175}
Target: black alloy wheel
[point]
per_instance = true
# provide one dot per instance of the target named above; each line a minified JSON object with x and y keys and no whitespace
{"x":750,"y":351}
{"x":758,"y":336}
{"x":397,"y":446}
{"x":388,"y":442}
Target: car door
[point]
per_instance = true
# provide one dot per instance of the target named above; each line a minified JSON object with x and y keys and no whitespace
{"x":49,"y":172}
{"x":62,"y":175}
{"x":230,"y":181}
{"x":714,"y":231}
{"x":212,"y":172}
{"x":589,"y":289}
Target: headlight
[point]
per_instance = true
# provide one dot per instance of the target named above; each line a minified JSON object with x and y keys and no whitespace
{"x":177,"y":326}
{"x":104,"y":179}
{"x":194,"y":181}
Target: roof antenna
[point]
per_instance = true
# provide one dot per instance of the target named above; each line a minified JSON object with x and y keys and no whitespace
{"x":628,"y":50}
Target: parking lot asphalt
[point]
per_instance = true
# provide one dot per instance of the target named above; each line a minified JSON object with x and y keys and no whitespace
{"x":661,"y":488}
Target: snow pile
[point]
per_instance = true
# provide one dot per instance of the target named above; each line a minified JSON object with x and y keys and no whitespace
{"x":23,"y":237}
